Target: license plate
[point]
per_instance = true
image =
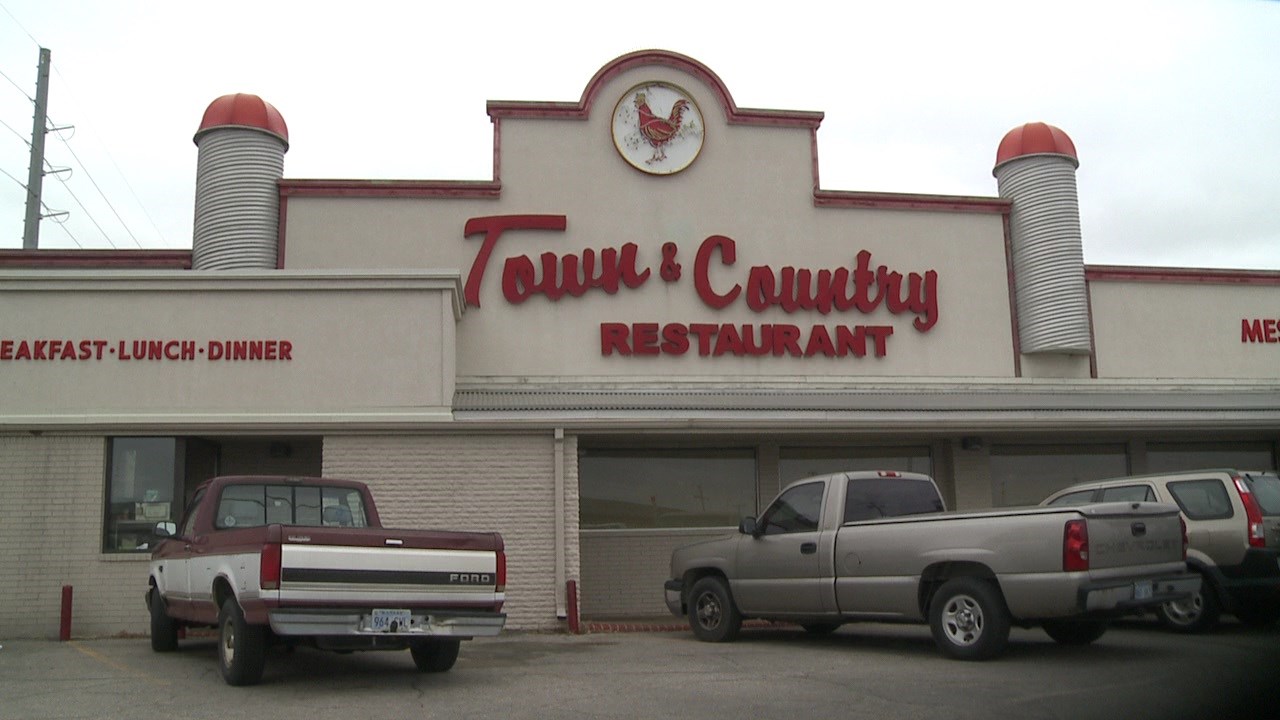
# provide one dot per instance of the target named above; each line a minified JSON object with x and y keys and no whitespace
{"x":1142,"y":591}
{"x":390,"y":621}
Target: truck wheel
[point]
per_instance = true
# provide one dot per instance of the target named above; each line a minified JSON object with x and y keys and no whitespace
{"x":969,"y":619}
{"x":164,"y":629}
{"x":1197,"y":613}
{"x":242,"y":648}
{"x":1075,"y":632}
{"x":712,"y":614}
{"x":435,"y":655}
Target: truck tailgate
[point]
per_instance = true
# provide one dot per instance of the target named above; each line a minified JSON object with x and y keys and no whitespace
{"x":374,"y":566}
{"x":1128,"y":534}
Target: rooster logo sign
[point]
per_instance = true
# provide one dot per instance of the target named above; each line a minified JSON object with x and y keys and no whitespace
{"x":657,"y":128}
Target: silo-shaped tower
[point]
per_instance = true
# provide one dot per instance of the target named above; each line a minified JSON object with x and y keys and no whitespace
{"x":1036,"y":168}
{"x":242,"y":141}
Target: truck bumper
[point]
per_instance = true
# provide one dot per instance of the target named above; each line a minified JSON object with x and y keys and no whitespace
{"x":452,"y":623}
{"x":1135,"y":595}
{"x":673,"y":591}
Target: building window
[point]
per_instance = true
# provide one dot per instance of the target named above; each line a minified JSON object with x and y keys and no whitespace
{"x":144,"y":487}
{"x":797,"y":463}
{"x":1027,"y":474}
{"x":666,"y":488}
{"x":1175,"y":457}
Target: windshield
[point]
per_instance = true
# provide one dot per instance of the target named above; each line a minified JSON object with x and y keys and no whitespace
{"x":1266,"y":489}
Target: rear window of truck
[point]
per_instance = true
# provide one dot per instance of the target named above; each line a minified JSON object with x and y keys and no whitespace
{"x":871,"y":498}
{"x":255,"y":505}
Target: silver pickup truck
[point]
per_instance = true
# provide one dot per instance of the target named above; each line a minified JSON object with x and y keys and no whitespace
{"x":878,"y":546}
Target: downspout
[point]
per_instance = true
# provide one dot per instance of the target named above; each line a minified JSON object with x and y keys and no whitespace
{"x":561,"y":612}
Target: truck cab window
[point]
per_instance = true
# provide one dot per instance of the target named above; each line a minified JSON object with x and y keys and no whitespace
{"x":871,"y":498}
{"x":796,"y":510}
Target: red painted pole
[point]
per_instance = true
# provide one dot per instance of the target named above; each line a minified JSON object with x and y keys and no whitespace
{"x":64,"y":630}
{"x":572,"y":593}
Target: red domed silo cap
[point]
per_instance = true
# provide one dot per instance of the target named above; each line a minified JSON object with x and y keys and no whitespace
{"x":1035,"y":138}
{"x":244,"y":110}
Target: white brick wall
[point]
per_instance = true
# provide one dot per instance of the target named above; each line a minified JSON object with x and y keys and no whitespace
{"x":482,"y":482}
{"x":51,"y":511}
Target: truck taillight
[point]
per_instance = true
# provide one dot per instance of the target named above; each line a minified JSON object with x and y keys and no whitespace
{"x":1252,"y":514}
{"x":269,"y":570}
{"x":502,"y":572}
{"x":1075,"y":546}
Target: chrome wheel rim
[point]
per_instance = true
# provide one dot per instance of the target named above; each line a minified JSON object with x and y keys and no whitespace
{"x":962,"y":620}
{"x":1185,"y":612}
{"x":228,"y":645}
{"x":709,"y":611}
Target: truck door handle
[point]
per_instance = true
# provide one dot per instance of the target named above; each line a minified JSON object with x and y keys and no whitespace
{"x":808,"y":548}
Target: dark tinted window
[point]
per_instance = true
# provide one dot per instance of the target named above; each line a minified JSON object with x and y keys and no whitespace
{"x":796,"y":510}
{"x":1202,"y":499}
{"x":1128,"y":493}
{"x":665,"y":487}
{"x":1266,"y":489}
{"x":871,"y":498}
{"x":1079,"y":497}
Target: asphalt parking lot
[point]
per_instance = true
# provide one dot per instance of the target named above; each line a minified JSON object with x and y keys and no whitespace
{"x":1136,"y":671}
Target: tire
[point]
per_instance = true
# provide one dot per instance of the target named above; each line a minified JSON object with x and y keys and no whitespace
{"x":164,"y":629}
{"x":969,"y":619}
{"x":712,"y":614}
{"x":1257,"y":617}
{"x":435,"y":655}
{"x":242,"y":648}
{"x":820,"y":628}
{"x":1196,"y":614}
{"x":1075,"y":632}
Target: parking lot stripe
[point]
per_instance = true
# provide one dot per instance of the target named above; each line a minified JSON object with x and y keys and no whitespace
{"x":115,"y":665}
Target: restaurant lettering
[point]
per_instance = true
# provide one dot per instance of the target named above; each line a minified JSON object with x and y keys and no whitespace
{"x":860,"y":287}
{"x":61,"y":349}
{"x":1259,"y":330}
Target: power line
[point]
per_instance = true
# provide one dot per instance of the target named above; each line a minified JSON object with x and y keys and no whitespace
{"x":20,"y":27}
{"x":100,"y":194}
{"x":16,"y":85}
{"x":63,"y":224}
{"x":21,"y":137}
{"x":16,"y":180}
{"x":82,"y":207}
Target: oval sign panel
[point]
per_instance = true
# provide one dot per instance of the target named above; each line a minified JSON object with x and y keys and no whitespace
{"x":657,"y":128}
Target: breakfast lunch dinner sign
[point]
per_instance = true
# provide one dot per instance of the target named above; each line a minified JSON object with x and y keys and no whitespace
{"x":658,"y":128}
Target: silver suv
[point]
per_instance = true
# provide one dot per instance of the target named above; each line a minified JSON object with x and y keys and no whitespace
{"x":1233,"y":535}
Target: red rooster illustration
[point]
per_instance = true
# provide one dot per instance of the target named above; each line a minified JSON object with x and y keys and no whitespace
{"x":658,"y":131}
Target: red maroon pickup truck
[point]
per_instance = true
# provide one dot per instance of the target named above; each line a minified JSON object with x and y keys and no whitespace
{"x":289,"y":560}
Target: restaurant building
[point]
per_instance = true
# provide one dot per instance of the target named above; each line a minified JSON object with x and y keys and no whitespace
{"x":648,"y":321}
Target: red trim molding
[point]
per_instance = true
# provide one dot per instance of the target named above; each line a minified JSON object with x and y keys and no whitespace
{"x":1207,"y":276}
{"x":449,"y":189}
{"x":89,"y":259}
{"x":907,"y":201}
{"x":580,"y":110}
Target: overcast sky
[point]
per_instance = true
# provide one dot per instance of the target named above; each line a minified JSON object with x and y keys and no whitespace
{"x":1174,"y":107}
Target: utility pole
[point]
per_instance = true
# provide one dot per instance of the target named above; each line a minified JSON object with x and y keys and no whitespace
{"x":35,"y":178}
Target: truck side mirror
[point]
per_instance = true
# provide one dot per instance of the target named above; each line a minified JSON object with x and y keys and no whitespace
{"x":164,"y":529}
{"x":747,"y":526}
